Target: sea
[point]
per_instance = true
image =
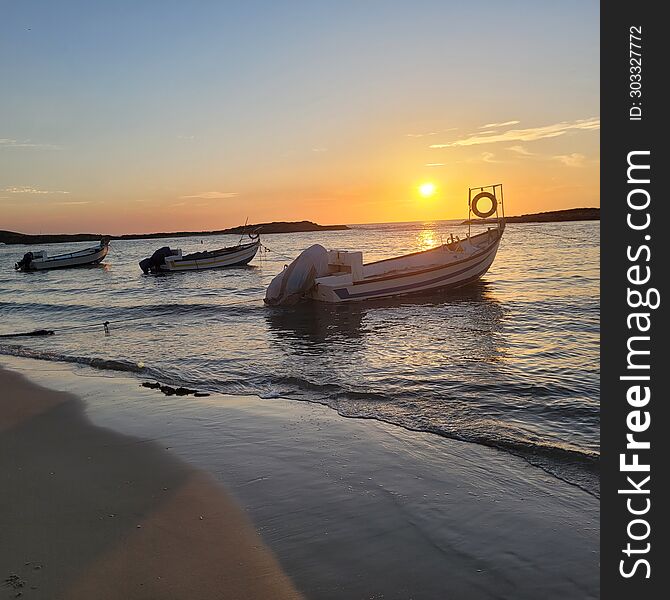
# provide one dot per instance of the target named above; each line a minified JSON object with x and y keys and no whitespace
{"x":511,"y":362}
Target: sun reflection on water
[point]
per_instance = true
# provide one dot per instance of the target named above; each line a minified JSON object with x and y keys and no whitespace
{"x":427,"y":238}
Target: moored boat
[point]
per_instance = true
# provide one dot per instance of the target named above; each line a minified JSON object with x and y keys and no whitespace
{"x":167,"y":259}
{"x":40,"y":260}
{"x":341,"y":276}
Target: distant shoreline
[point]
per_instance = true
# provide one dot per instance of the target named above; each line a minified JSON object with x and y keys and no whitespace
{"x":554,"y":216}
{"x":12,"y":237}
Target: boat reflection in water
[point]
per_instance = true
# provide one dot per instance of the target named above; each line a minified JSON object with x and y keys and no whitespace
{"x":464,"y":321}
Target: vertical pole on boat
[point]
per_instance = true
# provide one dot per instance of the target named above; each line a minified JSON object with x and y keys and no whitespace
{"x":469,"y":209}
{"x":501,"y":222}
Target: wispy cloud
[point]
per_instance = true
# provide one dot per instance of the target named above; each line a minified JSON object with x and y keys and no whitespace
{"x":427,"y":133}
{"x":521,"y":150}
{"x":77,"y":202}
{"x":31,"y":190}
{"x":212,"y":195}
{"x":435,"y":164}
{"x":572,"y":160}
{"x":525,"y":135}
{"x":563,"y":187}
{"x":489,"y":157}
{"x":319,"y":149}
{"x":496,"y":125}
{"x":8,"y":143}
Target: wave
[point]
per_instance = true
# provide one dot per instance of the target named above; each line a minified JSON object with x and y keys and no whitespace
{"x":579,"y":467}
{"x":97,"y":363}
{"x":62,"y":315}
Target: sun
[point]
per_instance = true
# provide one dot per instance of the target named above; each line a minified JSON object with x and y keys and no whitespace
{"x":427,"y":189}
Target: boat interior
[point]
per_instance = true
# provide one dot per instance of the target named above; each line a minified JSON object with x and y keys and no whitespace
{"x":42,"y":254}
{"x":344,"y":266}
{"x":210,"y":253}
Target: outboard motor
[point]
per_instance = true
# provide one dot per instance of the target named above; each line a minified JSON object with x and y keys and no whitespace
{"x":298,"y":278}
{"x":24,"y":263}
{"x":153,"y":263}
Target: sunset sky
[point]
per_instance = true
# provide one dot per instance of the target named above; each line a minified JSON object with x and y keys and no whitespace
{"x":141,"y":116}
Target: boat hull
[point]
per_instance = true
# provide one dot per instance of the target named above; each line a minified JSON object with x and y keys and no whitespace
{"x":238,"y":258}
{"x":91,"y":256}
{"x":452,"y":274}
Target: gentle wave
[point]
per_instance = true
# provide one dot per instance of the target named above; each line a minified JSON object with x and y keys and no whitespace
{"x":580,"y":468}
{"x":97,"y":363}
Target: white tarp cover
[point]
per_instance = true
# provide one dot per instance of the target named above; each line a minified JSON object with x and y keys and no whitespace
{"x":298,"y":278}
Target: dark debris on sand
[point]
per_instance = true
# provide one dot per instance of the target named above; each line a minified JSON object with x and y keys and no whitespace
{"x":171,"y":391}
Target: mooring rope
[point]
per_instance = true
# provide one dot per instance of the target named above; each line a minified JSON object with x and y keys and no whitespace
{"x":278,"y":254}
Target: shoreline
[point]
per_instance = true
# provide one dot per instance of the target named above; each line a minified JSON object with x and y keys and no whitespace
{"x":569,"y":215}
{"x":584,"y":479}
{"x":14,"y":238}
{"x":357,"y":508}
{"x":26,"y":239}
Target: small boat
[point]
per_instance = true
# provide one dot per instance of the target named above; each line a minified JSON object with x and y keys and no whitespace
{"x":168,"y":259}
{"x":341,"y":276}
{"x":40,"y":261}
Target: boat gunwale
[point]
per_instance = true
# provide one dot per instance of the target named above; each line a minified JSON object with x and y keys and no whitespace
{"x":470,"y":238}
{"x":373,"y":294}
{"x":410,"y":273}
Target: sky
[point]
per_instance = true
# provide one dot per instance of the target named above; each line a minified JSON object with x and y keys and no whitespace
{"x":129,"y":117}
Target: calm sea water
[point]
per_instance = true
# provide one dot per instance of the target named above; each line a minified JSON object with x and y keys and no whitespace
{"x":511,"y":362}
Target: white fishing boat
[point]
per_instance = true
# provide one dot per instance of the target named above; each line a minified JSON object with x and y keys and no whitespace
{"x":40,"y":260}
{"x":341,"y":276}
{"x":167,"y":259}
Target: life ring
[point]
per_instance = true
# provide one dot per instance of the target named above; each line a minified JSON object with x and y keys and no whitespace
{"x":477,"y":198}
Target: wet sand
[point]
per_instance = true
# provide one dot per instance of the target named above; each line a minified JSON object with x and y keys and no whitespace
{"x":89,"y":513}
{"x":350,"y":508}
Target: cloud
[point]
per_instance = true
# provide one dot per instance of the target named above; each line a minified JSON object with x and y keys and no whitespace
{"x":212,"y":195}
{"x":572,"y":160}
{"x":563,"y":187}
{"x":435,"y":164}
{"x":521,"y":150}
{"x":488,"y":157}
{"x":419,"y":135}
{"x":72,"y":203}
{"x":31,"y":190}
{"x":525,"y":135}
{"x":496,"y":125}
{"x":9,"y":143}
{"x":319,"y":149}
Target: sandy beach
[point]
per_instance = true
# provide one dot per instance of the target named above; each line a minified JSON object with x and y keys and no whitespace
{"x":89,"y":513}
{"x":118,"y":492}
